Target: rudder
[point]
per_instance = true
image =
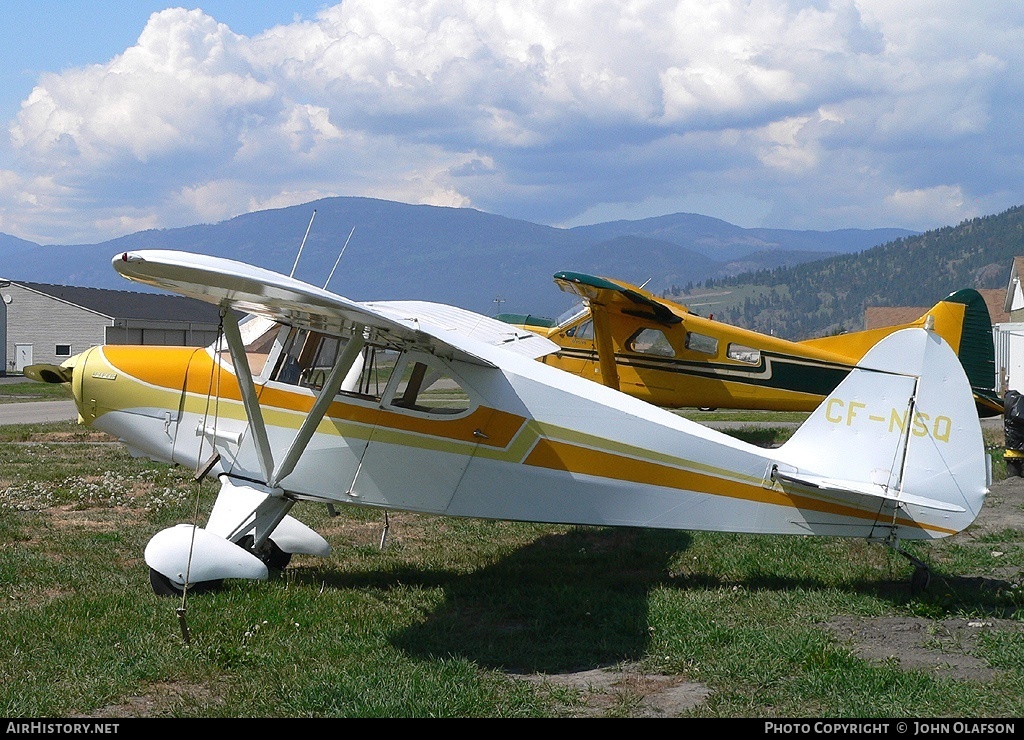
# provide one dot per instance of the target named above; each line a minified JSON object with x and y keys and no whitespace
{"x":901,"y":429}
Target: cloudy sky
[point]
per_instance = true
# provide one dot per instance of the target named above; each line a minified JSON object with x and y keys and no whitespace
{"x":821,"y":114}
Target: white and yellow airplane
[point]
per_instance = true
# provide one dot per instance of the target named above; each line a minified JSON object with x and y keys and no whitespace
{"x":428,"y":408}
{"x":622,"y":336}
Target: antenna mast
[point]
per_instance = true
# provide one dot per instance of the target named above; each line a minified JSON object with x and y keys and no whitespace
{"x":292,"y":273}
{"x":339,"y":257}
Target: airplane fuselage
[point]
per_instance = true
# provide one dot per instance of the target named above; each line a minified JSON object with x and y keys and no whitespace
{"x":525,"y":443}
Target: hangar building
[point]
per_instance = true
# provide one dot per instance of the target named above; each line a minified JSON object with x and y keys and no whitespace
{"x":41,"y":323}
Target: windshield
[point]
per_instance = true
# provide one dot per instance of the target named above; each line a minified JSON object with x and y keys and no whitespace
{"x":571,"y":315}
{"x":258,"y":335}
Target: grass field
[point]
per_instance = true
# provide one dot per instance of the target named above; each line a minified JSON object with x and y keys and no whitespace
{"x":464,"y":618}
{"x":29,"y":390}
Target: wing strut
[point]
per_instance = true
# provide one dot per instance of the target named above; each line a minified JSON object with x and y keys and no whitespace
{"x":330,"y":389}
{"x":605,"y":347}
{"x":248,"y":390}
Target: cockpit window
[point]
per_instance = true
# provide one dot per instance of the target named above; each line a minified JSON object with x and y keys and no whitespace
{"x":430,"y":389}
{"x":584,"y":331}
{"x":297,"y":364}
{"x":258,"y":335}
{"x":651,"y":342}
{"x":378,"y":365}
{"x":307,"y":358}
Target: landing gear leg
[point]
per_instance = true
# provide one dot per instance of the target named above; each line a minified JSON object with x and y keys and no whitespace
{"x":922,"y":576}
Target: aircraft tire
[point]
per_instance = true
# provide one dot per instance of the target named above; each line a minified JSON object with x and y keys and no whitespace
{"x":163,"y":586}
{"x":272,"y":556}
{"x":921,"y":579}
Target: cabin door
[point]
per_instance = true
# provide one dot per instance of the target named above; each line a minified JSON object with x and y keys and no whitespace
{"x":427,"y":432}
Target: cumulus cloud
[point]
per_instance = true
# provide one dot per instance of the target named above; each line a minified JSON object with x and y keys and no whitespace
{"x":182,"y":88}
{"x":817,"y":114}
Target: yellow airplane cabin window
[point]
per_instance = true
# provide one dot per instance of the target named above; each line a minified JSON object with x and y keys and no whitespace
{"x":651,"y":342}
{"x":571,"y":316}
{"x":701,"y":343}
{"x":742,"y":353}
{"x":583,"y":332}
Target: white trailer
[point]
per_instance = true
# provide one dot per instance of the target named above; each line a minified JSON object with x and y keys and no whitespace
{"x":1008,"y":340}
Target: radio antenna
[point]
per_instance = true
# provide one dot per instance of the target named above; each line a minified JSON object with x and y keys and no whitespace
{"x":339,"y":257}
{"x":292,"y":274}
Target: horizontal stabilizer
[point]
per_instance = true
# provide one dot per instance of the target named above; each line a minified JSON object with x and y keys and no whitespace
{"x":864,"y":489}
{"x":48,"y":373}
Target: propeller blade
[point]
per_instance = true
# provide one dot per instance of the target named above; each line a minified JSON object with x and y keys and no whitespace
{"x":49,"y":373}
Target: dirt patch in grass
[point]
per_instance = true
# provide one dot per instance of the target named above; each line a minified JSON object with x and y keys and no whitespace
{"x":161,"y":699}
{"x":625,"y":692}
{"x":943,"y":647}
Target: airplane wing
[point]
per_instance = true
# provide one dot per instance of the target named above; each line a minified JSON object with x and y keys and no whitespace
{"x":604,"y":297}
{"x":442,"y":318}
{"x":230,"y":284}
{"x":612,"y":294}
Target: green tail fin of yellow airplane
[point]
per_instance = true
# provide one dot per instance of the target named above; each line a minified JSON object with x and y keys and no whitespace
{"x":977,"y":350}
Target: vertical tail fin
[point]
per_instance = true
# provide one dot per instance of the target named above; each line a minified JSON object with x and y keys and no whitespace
{"x":976,"y":350}
{"x":963,"y":320}
{"x":901,"y":431}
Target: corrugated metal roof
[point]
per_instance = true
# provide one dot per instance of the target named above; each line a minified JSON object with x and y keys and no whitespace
{"x":876,"y":317}
{"x":994,"y":299}
{"x":123,"y":304}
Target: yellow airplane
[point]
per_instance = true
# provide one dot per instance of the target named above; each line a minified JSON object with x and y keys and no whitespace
{"x":662,"y":352}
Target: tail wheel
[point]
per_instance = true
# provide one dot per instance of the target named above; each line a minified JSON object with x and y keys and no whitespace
{"x":921,"y":579}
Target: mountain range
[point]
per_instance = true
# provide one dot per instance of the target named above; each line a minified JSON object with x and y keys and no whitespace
{"x":830,"y":296}
{"x":370,"y":249}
